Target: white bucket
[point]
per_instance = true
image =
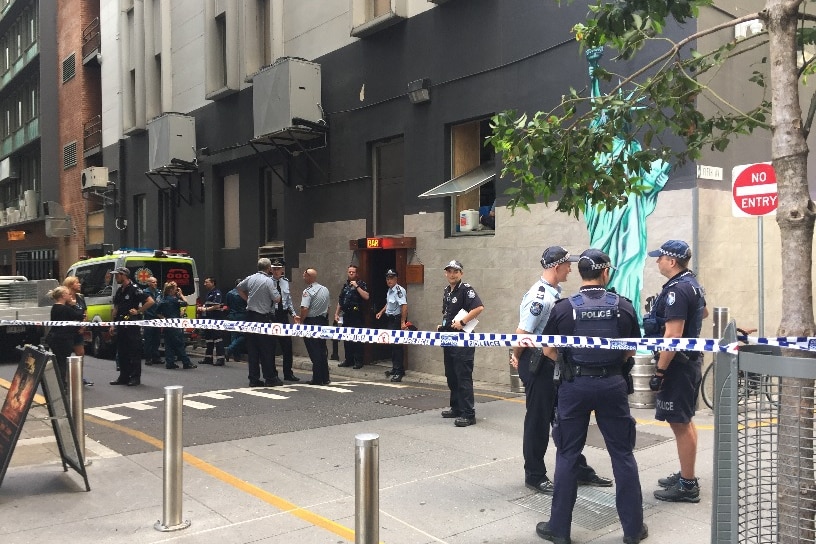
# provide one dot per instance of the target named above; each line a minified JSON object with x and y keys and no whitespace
{"x":468,"y":219}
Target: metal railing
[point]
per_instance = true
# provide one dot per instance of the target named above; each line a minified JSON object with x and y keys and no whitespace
{"x":91,"y":38}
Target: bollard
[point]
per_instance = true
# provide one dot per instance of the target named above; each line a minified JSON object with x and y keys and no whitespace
{"x":171,"y":509}
{"x":77,"y":402}
{"x":367,"y":489}
{"x":720,"y":320}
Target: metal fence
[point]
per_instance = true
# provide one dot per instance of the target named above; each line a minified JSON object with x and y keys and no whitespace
{"x":757,"y":458}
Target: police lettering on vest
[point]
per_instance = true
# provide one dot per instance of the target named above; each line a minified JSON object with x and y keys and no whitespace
{"x":596,"y":317}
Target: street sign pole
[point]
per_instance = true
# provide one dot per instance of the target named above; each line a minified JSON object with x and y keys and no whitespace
{"x":754,"y":193}
{"x":761,"y":276}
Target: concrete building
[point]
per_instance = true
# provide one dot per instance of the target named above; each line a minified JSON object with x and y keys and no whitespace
{"x":236,"y":129}
{"x":50,"y":105}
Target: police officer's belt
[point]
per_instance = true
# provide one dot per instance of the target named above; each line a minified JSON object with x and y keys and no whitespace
{"x":351,"y":308}
{"x":597,"y":371}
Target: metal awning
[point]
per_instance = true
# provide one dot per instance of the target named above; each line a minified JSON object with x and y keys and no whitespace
{"x":464,"y":183}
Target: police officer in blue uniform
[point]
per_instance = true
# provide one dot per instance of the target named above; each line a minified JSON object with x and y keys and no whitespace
{"x":282,"y":309}
{"x":594,"y":380}
{"x":458,"y":297}
{"x":677,"y":312}
{"x":129,"y":304}
{"x":537,"y":372}
{"x":395,"y":311}
{"x":213,"y":308}
{"x":351,"y":302}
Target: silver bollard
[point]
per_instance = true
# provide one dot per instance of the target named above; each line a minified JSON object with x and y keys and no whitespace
{"x":171,"y":510}
{"x":77,"y":402}
{"x":367,"y":489}
{"x":720,"y":320}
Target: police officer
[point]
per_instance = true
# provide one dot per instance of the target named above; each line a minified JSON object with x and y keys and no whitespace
{"x":259,"y":292}
{"x":213,"y":308}
{"x":593,"y":380}
{"x":314,"y":310}
{"x":352,"y":297}
{"x":677,"y":312}
{"x":129,"y":304}
{"x":152,"y":335}
{"x":280,"y":314}
{"x":536,"y":373}
{"x":396,"y":313}
{"x":459,"y":296}
{"x":237,"y":312}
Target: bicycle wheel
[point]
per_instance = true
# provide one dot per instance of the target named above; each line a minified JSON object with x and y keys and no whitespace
{"x":771,"y":388}
{"x":707,"y":386}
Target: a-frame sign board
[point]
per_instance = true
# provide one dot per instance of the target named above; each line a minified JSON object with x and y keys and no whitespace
{"x":37,"y":367}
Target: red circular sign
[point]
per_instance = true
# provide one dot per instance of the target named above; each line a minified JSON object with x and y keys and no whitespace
{"x":754,"y":189}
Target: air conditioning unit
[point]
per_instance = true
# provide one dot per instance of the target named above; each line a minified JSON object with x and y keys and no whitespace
{"x":9,"y":168}
{"x":94,"y":177}
{"x":170,"y":136}
{"x":287,"y":90}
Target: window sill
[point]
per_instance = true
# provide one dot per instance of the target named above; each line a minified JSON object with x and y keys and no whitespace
{"x":220,"y":93}
{"x":483,"y":232}
{"x":375,"y":25}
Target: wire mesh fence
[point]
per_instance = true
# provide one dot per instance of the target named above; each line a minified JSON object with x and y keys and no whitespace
{"x":771,"y":404}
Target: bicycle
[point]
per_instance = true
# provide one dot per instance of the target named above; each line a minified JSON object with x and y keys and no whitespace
{"x":749,"y":384}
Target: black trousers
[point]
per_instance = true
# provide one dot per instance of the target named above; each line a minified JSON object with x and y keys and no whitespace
{"x":540,"y":396}
{"x":261,"y":349}
{"x":318,"y":352}
{"x":353,"y":350}
{"x":459,"y":373}
{"x":129,"y":352}
{"x":394,"y":323}
{"x":285,"y":343}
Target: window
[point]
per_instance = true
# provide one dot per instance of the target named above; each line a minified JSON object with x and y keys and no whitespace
{"x":472,"y":189}
{"x":389,"y":181}
{"x":69,"y":155}
{"x":370,"y":16}
{"x":232,"y":213}
{"x":273,"y":205}
{"x":139,"y":220}
{"x":167,"y":219}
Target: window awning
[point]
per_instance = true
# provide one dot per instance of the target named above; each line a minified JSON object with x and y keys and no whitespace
{"x":464,"y":183}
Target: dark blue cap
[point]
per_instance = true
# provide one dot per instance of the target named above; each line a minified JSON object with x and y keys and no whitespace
{"x":555,"y":255}
{"x":676,"y":249}
{"x":594,"y":259}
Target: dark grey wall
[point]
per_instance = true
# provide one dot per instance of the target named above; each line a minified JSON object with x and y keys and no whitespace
{"x":482,"y":56}
{"x":50,"y":72}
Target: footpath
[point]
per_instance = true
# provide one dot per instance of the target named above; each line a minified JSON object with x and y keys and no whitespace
{"x":438,"y":484}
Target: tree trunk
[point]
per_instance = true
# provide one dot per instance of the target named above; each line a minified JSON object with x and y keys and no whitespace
{"x":795,"y":216}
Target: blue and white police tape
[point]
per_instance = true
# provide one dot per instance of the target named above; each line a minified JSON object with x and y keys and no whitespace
{"x":433,"y":338}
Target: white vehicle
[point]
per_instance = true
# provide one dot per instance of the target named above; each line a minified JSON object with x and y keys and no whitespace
{"x":23,"y":300}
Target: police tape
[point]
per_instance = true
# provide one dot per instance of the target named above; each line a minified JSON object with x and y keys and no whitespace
{"x":443,"y":339}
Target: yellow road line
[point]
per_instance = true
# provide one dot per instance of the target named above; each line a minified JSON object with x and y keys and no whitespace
{"x":278,"y":502}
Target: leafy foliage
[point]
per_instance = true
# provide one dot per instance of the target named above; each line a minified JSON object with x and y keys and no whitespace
{"x":551,"y":154}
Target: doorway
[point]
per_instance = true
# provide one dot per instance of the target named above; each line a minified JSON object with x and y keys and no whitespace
{"x":375,"y":256}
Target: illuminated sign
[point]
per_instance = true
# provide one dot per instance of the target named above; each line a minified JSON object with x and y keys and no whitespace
{"x":15,"y":235}
{"x":373,"y":243}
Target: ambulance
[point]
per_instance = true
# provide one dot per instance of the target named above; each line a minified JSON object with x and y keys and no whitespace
{"x":98,"y":286}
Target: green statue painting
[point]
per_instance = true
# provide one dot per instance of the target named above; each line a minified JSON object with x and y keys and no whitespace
{"x":621,"y":232}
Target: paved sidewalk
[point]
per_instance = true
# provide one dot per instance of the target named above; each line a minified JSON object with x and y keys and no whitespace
{"x":438,"y":484}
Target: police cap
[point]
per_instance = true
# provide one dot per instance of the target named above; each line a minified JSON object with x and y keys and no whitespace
{"x":594,"y":259}
{"x":555,"y":255}
{"x":676,"y":249}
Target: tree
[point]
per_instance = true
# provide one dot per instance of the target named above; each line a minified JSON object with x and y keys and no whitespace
{"x":545,"y":156}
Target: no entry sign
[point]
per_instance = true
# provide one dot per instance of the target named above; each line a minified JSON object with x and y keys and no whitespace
{"x":753,"y":188}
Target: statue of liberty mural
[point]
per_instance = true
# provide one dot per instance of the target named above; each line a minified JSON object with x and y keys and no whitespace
{"x":621,"y":232}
